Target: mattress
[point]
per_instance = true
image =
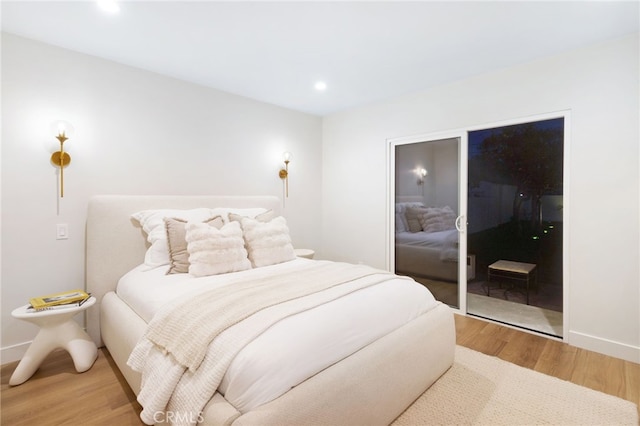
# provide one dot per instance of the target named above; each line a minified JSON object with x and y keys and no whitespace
{"x":314,"y":339}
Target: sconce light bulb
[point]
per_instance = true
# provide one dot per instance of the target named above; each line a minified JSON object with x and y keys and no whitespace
{"x":62,"y":129}
{"x":284,"y":173}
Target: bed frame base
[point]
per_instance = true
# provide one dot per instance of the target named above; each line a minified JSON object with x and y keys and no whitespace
{"x":371,"y":387}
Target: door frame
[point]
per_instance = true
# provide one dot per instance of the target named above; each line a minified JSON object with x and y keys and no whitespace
{"x":462,"y":135}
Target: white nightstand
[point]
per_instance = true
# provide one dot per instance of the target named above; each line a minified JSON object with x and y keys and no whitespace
{"x":306,"y":253}
{"x":57,"y":330}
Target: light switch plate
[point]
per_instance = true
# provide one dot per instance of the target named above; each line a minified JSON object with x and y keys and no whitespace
{"x":62,"y":231}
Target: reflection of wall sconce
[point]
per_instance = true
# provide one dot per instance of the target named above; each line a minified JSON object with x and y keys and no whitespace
{"x":284,"y":173}
{"x":63,"y":130}
{"x":421,"y":173}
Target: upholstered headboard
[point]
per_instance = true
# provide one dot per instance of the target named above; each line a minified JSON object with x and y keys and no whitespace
{"x":409,"y":199}
{"x":115,"y":243}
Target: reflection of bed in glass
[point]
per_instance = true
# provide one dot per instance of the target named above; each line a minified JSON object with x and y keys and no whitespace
{"x":428,"y":254}
{"x":426,"y":241}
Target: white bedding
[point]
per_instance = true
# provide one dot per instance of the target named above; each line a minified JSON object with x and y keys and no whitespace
{"x":443,"y":243}
{"x":342,"y":327}
{"x":437,"y":239}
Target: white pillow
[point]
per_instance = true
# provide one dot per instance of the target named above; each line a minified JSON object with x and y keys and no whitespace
{"x":265,"y":216}
{"x":152,"y":222}
{"x":215,"y":251}
{"x":268,"y":242}
{"x":400,"y":222}
{"x":402,"y":207}
{"x":225,"y":212}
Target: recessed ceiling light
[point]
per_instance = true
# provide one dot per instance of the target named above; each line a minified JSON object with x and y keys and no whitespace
{"x":321,"y":85}
{"x":109,"y":6}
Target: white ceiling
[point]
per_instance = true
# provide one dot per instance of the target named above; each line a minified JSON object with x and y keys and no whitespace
{"x":364,"y":51}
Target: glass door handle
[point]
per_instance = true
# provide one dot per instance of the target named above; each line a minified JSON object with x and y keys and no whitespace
{"x":459,"y":223}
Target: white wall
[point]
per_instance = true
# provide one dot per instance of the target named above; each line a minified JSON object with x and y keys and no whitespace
{"x":409,"y":158}
{"x":440,"y":159}
{"x":599,"y":85}
{"x":135,"y":133}
{"x":138,"y":132}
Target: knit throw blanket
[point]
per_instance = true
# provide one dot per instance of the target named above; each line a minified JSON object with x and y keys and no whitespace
{"x":188,"y":347}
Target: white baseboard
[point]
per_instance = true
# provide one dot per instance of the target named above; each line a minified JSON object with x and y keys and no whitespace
{"x":604,"y":346}
{"x":13,"y":353}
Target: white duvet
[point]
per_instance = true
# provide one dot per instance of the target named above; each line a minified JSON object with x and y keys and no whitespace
{"x":298,"y":346}
{"x":438,"y":239}
{"x":446,"y":242}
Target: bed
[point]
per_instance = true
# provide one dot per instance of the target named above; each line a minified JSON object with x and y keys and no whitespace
{"x":426,"y":240}
{"x":428,"y":254}
{"x":371,"y":384}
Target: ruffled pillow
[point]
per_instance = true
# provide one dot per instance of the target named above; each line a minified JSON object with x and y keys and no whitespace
{"x":436,"y":219}
{"x":268,"y":242}
{"x":215,"y":251}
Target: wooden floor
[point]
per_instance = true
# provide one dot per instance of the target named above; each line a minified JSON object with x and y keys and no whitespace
{"x":57,"y":395}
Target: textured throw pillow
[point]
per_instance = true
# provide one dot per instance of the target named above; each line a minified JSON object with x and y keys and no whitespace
{"x":437,"y":219}
{"x":413,"y":215}
{"x":152,"y":222}
{"x":215,"y":251}
{"x":177,"y":242}
{"x":268,"y":242}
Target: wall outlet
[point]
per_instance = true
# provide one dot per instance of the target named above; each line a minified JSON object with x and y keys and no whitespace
{"x":62,"y":231}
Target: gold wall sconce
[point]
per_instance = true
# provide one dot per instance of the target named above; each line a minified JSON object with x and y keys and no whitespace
{"x":63,"y":130}
{"x":421,"y":173}
{"x":284,"y":172}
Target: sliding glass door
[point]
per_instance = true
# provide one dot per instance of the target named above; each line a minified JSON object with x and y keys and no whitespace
{"x":426,"y":205}
{"x":515,"y":221}
{"x":476,"y":216}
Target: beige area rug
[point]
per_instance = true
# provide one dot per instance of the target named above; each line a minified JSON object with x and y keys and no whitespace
{"x":484,"y":390}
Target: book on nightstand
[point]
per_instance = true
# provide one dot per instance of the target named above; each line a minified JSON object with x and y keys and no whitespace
{"x":66,"y":299}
